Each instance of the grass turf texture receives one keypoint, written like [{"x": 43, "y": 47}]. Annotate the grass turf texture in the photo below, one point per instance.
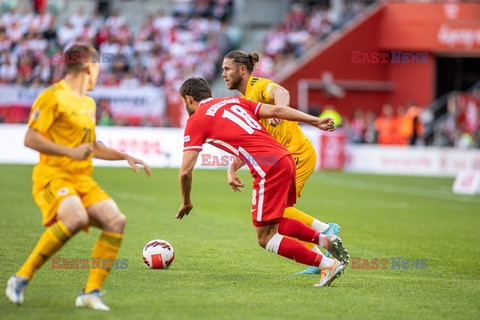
[{"x": 220, "y": 272}]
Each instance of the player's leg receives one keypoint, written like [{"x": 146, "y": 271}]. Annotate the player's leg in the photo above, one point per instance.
[
  {"x": 107, "y": 216},
  {"x": 63, "y": 211},
  {"x": 305, "y": 165},
  {"x": 296, "y": 229},
  {"x": 271, "y": 194},
  {"x": 271, "y": 240},
  {"x": 103, "y": 213}
]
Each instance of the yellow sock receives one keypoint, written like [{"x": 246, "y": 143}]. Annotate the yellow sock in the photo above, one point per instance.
[
  {"x": 50, "y": 242},
  {"x": 294, "y": 213},
  {"x": 106, "y": 247}
]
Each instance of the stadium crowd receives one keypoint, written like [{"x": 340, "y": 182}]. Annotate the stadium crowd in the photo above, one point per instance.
[
  {"x": 166, "y": 49},
  {"x": 305, "y": 24},
  {"x": 170, "y": 47},
  {"x": 407, "y": 124}
]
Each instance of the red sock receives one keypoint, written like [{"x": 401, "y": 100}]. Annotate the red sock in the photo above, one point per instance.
[
  {"x": 296, "y": 229},
  {"x": 295, "y": 250}
]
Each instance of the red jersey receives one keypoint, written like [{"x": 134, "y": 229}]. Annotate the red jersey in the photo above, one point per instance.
[{"x": 231, "y": 124}]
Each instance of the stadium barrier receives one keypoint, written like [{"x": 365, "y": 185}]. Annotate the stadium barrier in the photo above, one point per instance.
[
  {"x": 145, "y": 102},
  {"x": 163, "y": 148}
]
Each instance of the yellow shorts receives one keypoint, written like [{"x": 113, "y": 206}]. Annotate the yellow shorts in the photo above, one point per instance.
[
  {"x": 306, "y": 164},
  {"x": 48, "y": 196}
]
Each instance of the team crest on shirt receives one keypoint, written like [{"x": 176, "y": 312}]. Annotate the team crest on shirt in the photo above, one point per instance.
[
  {"x": 63, "y": 192},
  {"x": 35, "y": 114}
]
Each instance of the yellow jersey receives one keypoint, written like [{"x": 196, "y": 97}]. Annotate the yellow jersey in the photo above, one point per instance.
[
  {"x": 288, "y": 133},
  {"x": 66, "y": 119}
]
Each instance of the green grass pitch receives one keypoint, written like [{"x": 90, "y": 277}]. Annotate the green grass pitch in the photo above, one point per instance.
[{"x": 220, "y": 272}]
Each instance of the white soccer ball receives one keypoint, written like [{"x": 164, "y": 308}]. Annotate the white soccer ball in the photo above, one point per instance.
[{"x": 158, "y": 254}]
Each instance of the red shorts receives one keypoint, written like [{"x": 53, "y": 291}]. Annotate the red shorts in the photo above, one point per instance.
[{"x": 273, "y": 192}]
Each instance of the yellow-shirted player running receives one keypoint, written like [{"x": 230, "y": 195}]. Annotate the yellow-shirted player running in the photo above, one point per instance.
[
  {"x": 237, "y": 73},
  {"x": 62, "y": 129}
]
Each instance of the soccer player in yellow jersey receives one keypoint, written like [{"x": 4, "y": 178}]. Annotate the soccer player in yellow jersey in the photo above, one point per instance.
[
  {"x": 62, "y": 129},
  {"x": 237, "y": 73}
]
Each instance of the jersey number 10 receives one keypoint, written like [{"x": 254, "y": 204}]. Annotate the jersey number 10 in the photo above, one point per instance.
[{"x": 247, "y": 123}]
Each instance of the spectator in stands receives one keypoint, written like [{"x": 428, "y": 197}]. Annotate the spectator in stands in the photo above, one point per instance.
[
  {"x": 67, "y": 34},
  {"x": 404, "y": 126},
  {"x": 25, "y": 69},
  {"x": 8, "y": 69},
  {"x": 79, "y": 19},
  {"x": 128, "y": 81},
  {"x": 41, "y": 21},
  {"x": 115, "y": 21},
  {"x": 10, "y": 17},
  {"x": 413, "y": 116},
  {"x": 358, "y": 126},
  {"x": 385, "y": 126},
  {"x": 371, "y": 135},
  {"x": 51, "y": 33},
  {"x": 163, "y": 51}
]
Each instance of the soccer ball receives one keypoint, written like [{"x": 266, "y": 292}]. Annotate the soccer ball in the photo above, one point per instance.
[{"x": 158, "y": 254}]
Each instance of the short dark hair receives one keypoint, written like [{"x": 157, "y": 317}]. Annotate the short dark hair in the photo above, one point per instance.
[
  {"x": 77, "y": 57},
  {"x": 197, "y": 88},
  {"x": 242, "y": 58}
]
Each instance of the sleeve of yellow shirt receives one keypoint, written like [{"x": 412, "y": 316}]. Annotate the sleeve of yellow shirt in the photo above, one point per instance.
[
  {"x": 267, "y": 87},
  {"x": 44, "y": 112}
]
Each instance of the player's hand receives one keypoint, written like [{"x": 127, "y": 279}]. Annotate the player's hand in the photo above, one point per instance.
[
  {"x": 326, "y": 124},
  {"x": 81, "y": 152},
  {"x": 184, "y": 210},
  {"x": 133, "y": 162},
  {"x": 234, "y": 181},
  {"x": 274, "y": 121}
]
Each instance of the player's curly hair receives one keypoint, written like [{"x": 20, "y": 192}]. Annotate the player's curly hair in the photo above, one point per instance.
[
  {"x": 242, "y": 58},
  {"x": 197, "y": 88}
]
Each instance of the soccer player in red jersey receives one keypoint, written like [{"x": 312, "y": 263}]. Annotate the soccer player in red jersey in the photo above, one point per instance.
[{"x": 232, "y": 124}]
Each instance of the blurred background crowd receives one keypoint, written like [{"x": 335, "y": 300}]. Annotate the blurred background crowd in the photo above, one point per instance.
[{"x": 191, "y": 39}]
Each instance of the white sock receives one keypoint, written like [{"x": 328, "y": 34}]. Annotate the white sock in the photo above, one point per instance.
[
  {"x": 317, "y": 250},
  {"x": 320, "y": 226},
  {"x": 325, "y": 263},
  {"x": 323, "y": 241}
]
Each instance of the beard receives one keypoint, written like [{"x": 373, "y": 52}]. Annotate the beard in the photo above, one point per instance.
[
  {"x": 189, "y": 108},
  {"x": 234, "y": 82}
]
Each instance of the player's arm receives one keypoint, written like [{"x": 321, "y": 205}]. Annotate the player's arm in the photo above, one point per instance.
[
  {"x": 233, "y": 178},
  {"x": 281, "y": 96},
  {"x": 100, "y": 151},
  {"x": 271, "y": 111},
  {"x": 36, "y": 141},
  {"x": 185, "y": 180}
]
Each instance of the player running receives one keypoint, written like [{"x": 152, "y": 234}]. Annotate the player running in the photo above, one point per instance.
[
  {"x": 237, "y": 73},
  {"x": 62, "y": 130},
  {"x": 231, "y": 124}
]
